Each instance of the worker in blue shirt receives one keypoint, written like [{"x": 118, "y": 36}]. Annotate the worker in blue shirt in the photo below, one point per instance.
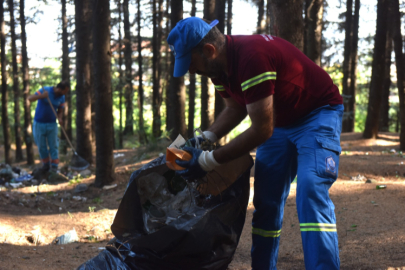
[{"x": 45, "y": 128}]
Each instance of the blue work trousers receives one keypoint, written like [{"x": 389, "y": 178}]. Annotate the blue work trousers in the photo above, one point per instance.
[
  {"x": 309, "y": 150},
  {"x": 46, "y": 138}
]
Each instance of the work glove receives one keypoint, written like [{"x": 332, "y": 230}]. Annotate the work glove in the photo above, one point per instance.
[
  {"x": 197, "y": 167},
  {"x": 208, "y": 134}
]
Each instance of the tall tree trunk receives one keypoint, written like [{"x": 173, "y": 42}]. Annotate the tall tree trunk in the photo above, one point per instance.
[
  {"x": 176, "y": 92},
  {"x": 261, "y": 21},
  {"x": 27, "y": 108},
  {"x": 347, "y": 98},
  {"x": 288, "y": 22},
  {"x": 103, "y": 93},
  {"x": 313, "y": 29},
  {"x": 142, "y": 134},
  {"x": 16, "y": 88},
  {"x": 67, "y": 115},
  {"x": 377, "y": 74},
  {"x": 207, "y": 96},
  {"x": 4, "y": 94},
  {"x": 129, "y": 91},
  {"x": 83, "y": 79},
  {"x": 400, "y": 65},
  {"x": 270, "y": 19},
  {"x": 385, "y": 91},
  {"x": 351, "y": 105},
  {"x": 191, "y": 89},
  {"x": 229, "y": 18},
  {"x": 120, "y": 77},
  {"x": 220, "y": 6}
]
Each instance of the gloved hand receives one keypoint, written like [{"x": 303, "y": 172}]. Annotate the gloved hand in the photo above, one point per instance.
[
  {"x": 208, "y": 134},
  {"x": 192, "y": 167},
  {"x": 198, "y": 166},
  {"x": 191, "y": 142}
]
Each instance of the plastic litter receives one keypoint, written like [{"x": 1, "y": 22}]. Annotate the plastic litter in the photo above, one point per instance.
[
  {"x": 107, "y": 187},
  {"x": 69, "y": 237}
]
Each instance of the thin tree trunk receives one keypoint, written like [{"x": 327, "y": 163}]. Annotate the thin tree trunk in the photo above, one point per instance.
[
  {"x": 120, "y": 82},
  {"x": 288, "y": 23},
  {"x": 27, "y": 108},
  {"x": 4, "y": 94},
  {"x": 176, "y": 92},
  {"x": 377, "y": 74},
  {"x": 103, "y": 93},
  {"x": 83, "y": 80},
  {"x": 270, "y": 19},
  {"x": 400, "y": 65},
  {"x": 155, "y": 67},
  {"x": 229, "y": 18},
  {"x": 129, "y": 91},
  {"x": 142, "y": 135},
  {"x": 313, "y": 29},
  {"x": 16, "y": 87},
  {"x": 220, "y": 6},
  {"x": 353, "y": 69},
  {"x": 67, "y": 115},
  {"x": 261, "y": 23},
  {"x": 191, "y": 89},
  {"x": 385, "y": 91}
]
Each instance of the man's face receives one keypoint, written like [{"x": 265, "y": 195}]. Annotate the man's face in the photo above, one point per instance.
[
  {"x": 204, "y": 66},
  {"x": 61, "y": 91}
]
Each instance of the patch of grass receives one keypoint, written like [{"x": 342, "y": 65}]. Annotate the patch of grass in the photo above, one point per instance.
[
  {"x": 91, "y": 209},
  {"x": 97, "y": 200},
  {"x": 76, "y": 180}
]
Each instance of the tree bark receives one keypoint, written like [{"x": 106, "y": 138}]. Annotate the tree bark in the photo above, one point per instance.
[
  {"x": 288, "y": 23},
  {"x": 16, "y": 87},
  {"x": 83, "y": 80},
  {"x": 176, "y": 92},
  {"x": 229, "y": 18},
  {"x": 220, "y": 7},
  {"x": 4, "y": 93},
  {"x": 261, "y": 22},
  {"x": 400, "y": 65},
  {"x": 191, "y": 89},
  {"x": 67, "y": 115},
  {"x": 120, "y": 76},
  {"x": 377, "y": 74},
  {"x": 313, "y": 29},
  {"x": 129, "y": 91},
  {"x": 26, "y": 90},
  {"x": 103, "y": 92},
  {"x": 142, "y": 135}
]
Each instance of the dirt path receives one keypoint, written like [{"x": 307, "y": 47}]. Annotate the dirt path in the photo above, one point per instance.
[{"x": 370, "y": 221}]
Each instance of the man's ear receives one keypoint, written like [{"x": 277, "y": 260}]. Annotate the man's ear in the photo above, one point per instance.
[{"x": 209, "y": 51}]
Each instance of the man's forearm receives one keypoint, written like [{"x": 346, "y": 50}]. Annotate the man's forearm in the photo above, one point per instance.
[
  {"x": 32, "y": 98},
  {"x": 227, "y": 120}
]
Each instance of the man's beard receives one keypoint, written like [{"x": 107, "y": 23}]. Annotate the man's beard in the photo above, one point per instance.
[{"x": 213, "y": 68}]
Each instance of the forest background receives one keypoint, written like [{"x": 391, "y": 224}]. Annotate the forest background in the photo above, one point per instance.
[{"x": 115, "y": 56}]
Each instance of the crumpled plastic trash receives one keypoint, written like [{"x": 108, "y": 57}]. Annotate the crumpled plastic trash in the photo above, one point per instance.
[
  {"x": 69, "y": 237},
  {"x": 359, "y": 177}
]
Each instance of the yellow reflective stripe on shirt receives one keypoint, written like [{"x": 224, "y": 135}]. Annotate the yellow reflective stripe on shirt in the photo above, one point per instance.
[
  {"x": 266, "y": 233},
  {"x": 270, "y": 75},
  {"x": 219, "y": 87},
  {"x": 317, "y": 227}
]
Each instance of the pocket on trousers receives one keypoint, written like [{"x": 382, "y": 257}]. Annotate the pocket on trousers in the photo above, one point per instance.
[{"x": 327, "y": 157}]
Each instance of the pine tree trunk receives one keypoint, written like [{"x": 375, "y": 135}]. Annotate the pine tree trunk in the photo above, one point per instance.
[
  {"x": 67, "y": 115},
  {"x": 83, "y": 79},
  {"x": 26, "y": 90},
  {"x": 377, "y": 74},
  {"x": 220, "y": 7},
  {"x": 229, "y": 18},
  {"x": 4, "y": 93},
  {"x": 120, "y": 77},
  {"x": 261, "y": 23},
  {"x": 103, "y": 93},
  {"x": 129, "y": 91},
  {"x": 313, "y": 30},
  {"x": 176, "y": 92},
  {"x": 16, "y": 87},
  {"x": 191, "y": 89},
  {"x": 353, "y": 69},
  {"x": 288, "y": 23},
  {"x": 400, "y": 65},
  {"x": 385, "y": 91},
  {"x": 142, "y": 135}
]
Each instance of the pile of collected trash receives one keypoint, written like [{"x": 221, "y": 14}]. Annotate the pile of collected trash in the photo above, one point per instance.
[{"x": 165, "y": 222}]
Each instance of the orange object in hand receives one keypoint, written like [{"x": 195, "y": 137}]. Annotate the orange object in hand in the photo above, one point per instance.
[{"x": 172, "y": 154}]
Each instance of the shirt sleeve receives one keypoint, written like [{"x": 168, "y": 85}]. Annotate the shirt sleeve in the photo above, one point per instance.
[
  {"x": 40, "y": 91},
  {"x": 258, "y": 77},
  {"x": 62, "y": 104},
  {"x": 220, "y": 88}
]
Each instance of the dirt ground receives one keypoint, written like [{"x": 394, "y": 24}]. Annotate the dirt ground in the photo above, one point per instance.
[{"x": 370, "y": 222}]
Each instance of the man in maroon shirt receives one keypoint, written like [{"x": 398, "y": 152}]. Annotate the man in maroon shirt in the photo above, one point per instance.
[{"x": 296, "y": 113}]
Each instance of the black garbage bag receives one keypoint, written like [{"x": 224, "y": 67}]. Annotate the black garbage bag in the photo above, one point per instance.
[{"x": 193, "y": 226}]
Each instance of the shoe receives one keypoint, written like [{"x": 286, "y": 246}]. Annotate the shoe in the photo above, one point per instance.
[
  {"x": 54, "y": 170},
  {"x": 45, "y": 167}
]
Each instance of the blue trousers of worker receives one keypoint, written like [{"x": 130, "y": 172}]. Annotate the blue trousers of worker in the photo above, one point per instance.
[
  {"x": 46, "y": 138},
  {"x": 309, "y": 150}
]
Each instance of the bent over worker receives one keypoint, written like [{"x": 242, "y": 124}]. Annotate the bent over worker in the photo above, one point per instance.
[
  {"x": 45, "y": 128},
  {"x": 296, "y": 114}
]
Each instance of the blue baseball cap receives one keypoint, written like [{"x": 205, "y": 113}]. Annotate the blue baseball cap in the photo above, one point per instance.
[{"x": 183, "y": 38}]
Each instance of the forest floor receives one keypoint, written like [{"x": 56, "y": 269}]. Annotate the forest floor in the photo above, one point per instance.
[{"x": 370, "y": 221}]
